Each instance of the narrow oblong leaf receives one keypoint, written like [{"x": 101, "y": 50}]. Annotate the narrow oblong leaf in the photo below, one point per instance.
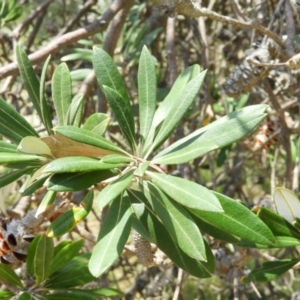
[
  {"x": 114, "y": 189},
  {"x": 87, "y": 137},
  {"x": 64, "y": 255},
  {"x": 46, "y": 203},
  {"x": 74, "y": 273},
  {"x": 8, "y": 275},
  {"x": 97, "y": 123},
  {"x": 78, "y": 164},
  {"x": 39, "y": 257},
  {"x": 61, "y": 92},
  {"x": 10, "y": 177},
  {"x": 164, "y": 108},
  {"x": 161, "y": 237},
  {"x": 214, "y": 136},
  {"x": 178, "y": 222},
  {"x": 29, "y": 78},
  {"x": 187, "y": 193},
  {"x": 74, "y": 114},
  {"x": 270, "y": 270},
  {"x": 69, "y": 219},
  {"x": 108, "y": 75},
  {"x": 9, "y": 157},
  {"x": 70, "y": 295},
  {"x": 12, "y": 125},
  {"x": 112, "y": 237},
  {"x": 46, "y": 116},
  {"x": 122, "y": 112},
  {"x": 178, "y": 109},
  {"x": 237, "y": 220},
  {"x": 116, "y": 159},
  {"x": 77, "y": 181},
  {"x": 147, "y": 92},
  {"x": 7, "y": 147}
]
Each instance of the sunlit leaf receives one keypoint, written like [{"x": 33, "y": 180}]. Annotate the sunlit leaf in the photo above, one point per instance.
[
  {"x": 97, "y": 123},
  {"x": 112, "y": 237},
  {"x": 34, "y": 145}
]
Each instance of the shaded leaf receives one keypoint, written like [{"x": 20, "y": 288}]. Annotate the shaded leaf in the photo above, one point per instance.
[
  {"x": 270, "y": 270},
  {"x": 46, "y": 203},
  {"x": 112, "y": 237},
  {"x": 9, "y": 276},
  {"x": 74, "y": 114},
  {"x": 69, "y": 219},
  {"x": 77, "y": 181},
  {"x": 187, "y": 193},
  {"x": 10, "y": 177},
  {"x": 62, "y": 92},
  {"x": 12, "y": 125}
]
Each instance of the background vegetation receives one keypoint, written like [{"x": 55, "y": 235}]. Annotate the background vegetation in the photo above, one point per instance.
[{"x": 248, "y": 170}]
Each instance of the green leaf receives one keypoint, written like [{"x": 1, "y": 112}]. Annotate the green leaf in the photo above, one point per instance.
[
  {"x": 141, "y": 169},
  {"x": 277, "y": 224},
  {"x": 64, "y": 255},
  {"x": 10, "y": 177},
  {"x": 161, "y": 237},
  {"x": 270, "y": 270},
  {"x": 112, "y": 237},
  {"x": 62, "y": 92},
  {"x": 97, "y": 123},
  {"x": 9, "y": 157},
  {"x": 187, "y": 193},
  {"x": 29, "y": 78},
  {"x": 177, "y": 221},
  {"x": 47, "y": 201},
  {"x": 70, "y": 295},
  {"x": 25, "y": 296},
  {"x": 74, "y": 164},
  {"x": 147, "y": 92},
  {"x": 12, "y": 125},
  {"x": 225, "y": 132},
  {"x": 73, "y": 274},
  {"x": 122, "y": 112},
  {"x": 164, "y": 109},
  {"x": 178, "y": 109},
  {"x": 9, "y": 276},
  {"x": 32, "y": 188},
  {"x": 46, "y": 116},
  {"x": 114, "y": 189},
  {"x": 4, "y": 295},
  {"x": 7, "y": 147},
  {"x": 87, "y": 137},
  {"x": 116, "y": 159},
  {"x": 280, "y": 242},
  {"x": 108, "y": 75},
  {"x": 76, "y": 181},
  {"x": 14, "y": 14},
  {"x": 69, "y": 219},
  {"x": 74, "y": 114},
  {"x": 237, "y": 220},
  {"x": 40, "y": 254}
]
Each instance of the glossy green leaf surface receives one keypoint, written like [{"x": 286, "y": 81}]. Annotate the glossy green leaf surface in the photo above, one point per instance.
[
  {"x": 8, "y": 275},
  {"x": 227, "y": 131},
  {"x": 179, "y": 107},
  {"x": 46, "y": 116},
  {"x": 187, "y": 193},
  {"x": 9, "y": 157},
  {"x": 87, "y": 137},
  {"x": 112, "y": 237},
  {"x": 177, "y": 221},
  {"x": 78, "y": 164},
  {"x": 77, "y": 181},
  {"x": 237, "y": 220},
  {"x": 122, "y": 113},
  {"x": 25, "y": 296},
  {"x": 161, "y": 237},
  {"x": 62, "y": 92},
  {"x": 29, "y": 78},
  {"x": 116, "y": 159},
  {"x": 39, "y": 257},
  {"x": 12, "y": 125},
  {"x": 97, "y": 123},
  {"x": 108, "y": 75},
  {"x": 279, "y": 242},
  {"x": 74, "y": 114},
  {"x": 69, "y": 219},
  {"x": 65, "y": 254},
  {"x": 73, "y": 274},
  {"x": 146, "y": 92},
  {"x": 114, "y": 189},
  {"x": 164, "y": 108},
  {"x": 270, "y": 270}
]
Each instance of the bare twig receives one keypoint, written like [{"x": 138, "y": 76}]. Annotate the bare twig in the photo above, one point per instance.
[{"x": 59, "y": 43}]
